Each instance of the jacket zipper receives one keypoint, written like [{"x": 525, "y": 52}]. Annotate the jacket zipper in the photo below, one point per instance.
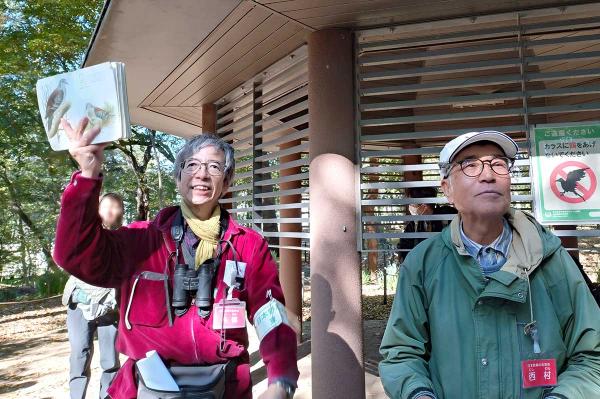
[{"x": 484, "y": 280}]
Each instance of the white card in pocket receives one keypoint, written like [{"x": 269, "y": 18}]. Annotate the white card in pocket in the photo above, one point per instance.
[{"x": 232, "y": 271}]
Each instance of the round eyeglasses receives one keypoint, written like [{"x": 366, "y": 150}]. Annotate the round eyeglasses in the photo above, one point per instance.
[
  {"x": 191, "y": 166},
  {"x": 474, "y": 167}
]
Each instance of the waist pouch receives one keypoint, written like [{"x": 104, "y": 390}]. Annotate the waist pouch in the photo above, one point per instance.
[{"x": 195, "y": 382}]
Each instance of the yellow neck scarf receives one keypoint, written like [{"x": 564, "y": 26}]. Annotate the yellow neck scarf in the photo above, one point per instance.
[{"x": 206, "y": 230}]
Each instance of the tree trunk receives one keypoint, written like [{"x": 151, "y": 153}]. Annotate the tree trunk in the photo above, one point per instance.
[
  {"x": 142, "y": 198},
  {"x": 26, "y": 271},
  {"x": 142, "y": 195},
  {"x": 24, "y": 217}
]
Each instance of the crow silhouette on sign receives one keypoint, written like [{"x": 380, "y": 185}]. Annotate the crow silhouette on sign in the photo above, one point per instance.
[{"x": 570, "y": 185}]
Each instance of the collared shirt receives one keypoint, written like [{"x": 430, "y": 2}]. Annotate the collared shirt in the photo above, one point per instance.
[
  {"x": 493, "y": 256},
  {"x": 190, "y": 245}
]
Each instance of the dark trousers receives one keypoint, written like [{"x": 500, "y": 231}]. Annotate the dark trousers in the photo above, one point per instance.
[{"x": 81, "y": 337}]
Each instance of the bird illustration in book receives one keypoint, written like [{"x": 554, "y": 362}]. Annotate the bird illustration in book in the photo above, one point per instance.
[
  {"x": 54, "y": 100},
  {"x": 98, "y": 116},
  {"x": 56, "y": 106}
]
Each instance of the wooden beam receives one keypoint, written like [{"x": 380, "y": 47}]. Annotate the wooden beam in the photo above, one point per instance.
[{"x": 209, "y": 118}]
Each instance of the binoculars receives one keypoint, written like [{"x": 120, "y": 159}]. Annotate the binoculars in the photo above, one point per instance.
[{"x": 188, "y": 282}]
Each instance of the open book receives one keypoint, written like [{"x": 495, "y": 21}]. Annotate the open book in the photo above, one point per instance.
[{"x": 97, "y": 92}]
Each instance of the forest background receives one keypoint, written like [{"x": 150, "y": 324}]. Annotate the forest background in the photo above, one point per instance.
[{"x": 39, "y": 38}]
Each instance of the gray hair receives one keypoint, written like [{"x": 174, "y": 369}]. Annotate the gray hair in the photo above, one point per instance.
[{"x": 202, "y": 141}]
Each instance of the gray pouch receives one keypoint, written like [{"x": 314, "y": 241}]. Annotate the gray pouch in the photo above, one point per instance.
[{"x": 195, "y": 382}]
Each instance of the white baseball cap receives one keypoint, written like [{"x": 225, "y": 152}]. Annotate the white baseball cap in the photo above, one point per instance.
[{"x": 455, "y": 145}]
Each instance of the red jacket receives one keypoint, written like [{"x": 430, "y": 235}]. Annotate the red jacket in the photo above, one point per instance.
[{"x": 115, "y": 258}]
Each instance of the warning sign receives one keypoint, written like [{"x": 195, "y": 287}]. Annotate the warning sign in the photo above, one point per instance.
[
  {"x": 573, "y": 182},
  {"x": 565, "y": 163}
]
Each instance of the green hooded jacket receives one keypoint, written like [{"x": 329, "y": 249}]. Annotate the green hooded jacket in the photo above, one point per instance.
[{"x": 455, "y": 334}]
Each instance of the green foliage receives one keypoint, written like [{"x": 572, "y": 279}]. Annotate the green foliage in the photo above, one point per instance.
[
  {"x": 50, "y": 283},
  {"x": 39, "y": 38}
]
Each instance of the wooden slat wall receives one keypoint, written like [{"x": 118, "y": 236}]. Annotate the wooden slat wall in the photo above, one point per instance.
[
  {"x": 320, "y": 14},
  {"x": 228, "y": 23},
  {"x": 191, "y": 115},
  {"x": 256, "y": 34},
  {"x": 416, "y": 94},
  {"x": 266, "y": 120},
  {"x": 250, "y": 39}
]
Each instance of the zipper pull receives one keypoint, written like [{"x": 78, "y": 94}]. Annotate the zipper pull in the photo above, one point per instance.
[{"x": 269, "y": 295}]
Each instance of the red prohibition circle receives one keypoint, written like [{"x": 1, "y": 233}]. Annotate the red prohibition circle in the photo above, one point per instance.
[{"x": 560, "y": 172}]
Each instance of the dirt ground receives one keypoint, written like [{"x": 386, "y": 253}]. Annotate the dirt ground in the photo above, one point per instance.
[
  {"x": 34, "y": 354},
  {"x": 34, "y": 349}
]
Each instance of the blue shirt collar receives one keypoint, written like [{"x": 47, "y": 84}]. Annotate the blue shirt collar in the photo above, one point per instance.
[{"x": 501, "y": 244}]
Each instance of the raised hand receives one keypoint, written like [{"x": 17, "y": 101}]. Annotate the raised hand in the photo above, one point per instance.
[{"x": 88, "y": 156}]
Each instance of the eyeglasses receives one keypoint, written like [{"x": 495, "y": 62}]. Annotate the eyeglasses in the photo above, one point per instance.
[
  {"x": 474, "y": 167},
  {"x": 192, "y": 165}
]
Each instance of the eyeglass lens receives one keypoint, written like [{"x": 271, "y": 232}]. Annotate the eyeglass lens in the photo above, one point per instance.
[
  {"x": 474, "y": 167},
  {"x": 191, "y": 166}
]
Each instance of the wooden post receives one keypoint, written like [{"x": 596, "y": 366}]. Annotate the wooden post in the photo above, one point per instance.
[
  {"x": 209, "y": 118},
  {"x": 290, "y": 260}
]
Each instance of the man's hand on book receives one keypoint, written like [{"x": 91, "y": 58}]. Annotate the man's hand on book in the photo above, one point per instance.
[{"x": 88, "y": 156}]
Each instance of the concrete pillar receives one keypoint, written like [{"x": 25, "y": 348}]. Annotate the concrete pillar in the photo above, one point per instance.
[
  {"x": 209, "y": 118},
  {"x": 336, "y": 328},
  {"x": 290, "y": 260}
]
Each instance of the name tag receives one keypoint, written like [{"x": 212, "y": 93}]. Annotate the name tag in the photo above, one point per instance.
[
  {"x": 538, "y": 373},
  {"x": 229, "y": 314}
]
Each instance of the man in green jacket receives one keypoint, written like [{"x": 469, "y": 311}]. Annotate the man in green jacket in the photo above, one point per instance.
[{"x": 493, "y": 307}]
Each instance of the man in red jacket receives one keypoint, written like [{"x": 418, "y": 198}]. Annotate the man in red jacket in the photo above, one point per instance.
[{"x": 140, "y": 259}]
